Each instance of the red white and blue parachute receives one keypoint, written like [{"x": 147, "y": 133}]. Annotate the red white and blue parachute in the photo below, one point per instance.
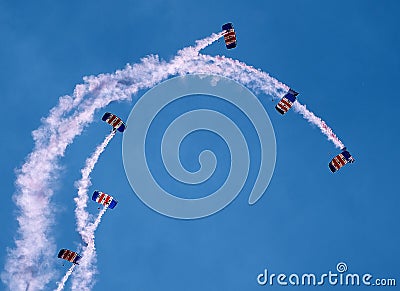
[
  {"x": 229, "y": 35},
  {"x": 114, "y": 121},
  {"x": 286, "y": 102},
  {"x": 340, "y": 160},
  {"x": 69, "y": 256},
  {"x": 105, "y": 199}
]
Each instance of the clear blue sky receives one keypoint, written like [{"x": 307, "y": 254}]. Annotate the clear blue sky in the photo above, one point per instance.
[{"x": 343, "y": 56}]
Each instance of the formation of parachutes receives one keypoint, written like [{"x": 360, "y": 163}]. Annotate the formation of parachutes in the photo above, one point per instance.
[{"x": 283, "y": 106}]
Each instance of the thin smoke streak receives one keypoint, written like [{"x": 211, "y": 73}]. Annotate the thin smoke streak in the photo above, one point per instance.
[
  {"x": 325, "y": 129},
  {"x": 83, "y": 277},
  {"x": 81, "y": 215},
  {"x": 87, "y": 269},
  {"x": 85, "y": 229},
  {"x": 68, "y": 119},
  {"x": 61, "y": 285}
]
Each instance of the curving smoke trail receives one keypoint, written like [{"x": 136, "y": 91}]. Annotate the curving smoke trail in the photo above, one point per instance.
[
  {"x": 68, "y": 119},
  {"x": 81, "y": 215},
  {"x": 85, "y": 229},
  {"x": 65, "y": 278}
]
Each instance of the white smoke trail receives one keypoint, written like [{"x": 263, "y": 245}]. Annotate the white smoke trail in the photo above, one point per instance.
[
  {"x": 33, "y": 194},
  {"x": 87, "y": 269},
  {"x": 325, "y": 129},
  {"x": 65, "y": 278},
  {"x": 68, "y": 119},
  {"x": 81, "y": 215},
  {"x": 83, "y": 277}
]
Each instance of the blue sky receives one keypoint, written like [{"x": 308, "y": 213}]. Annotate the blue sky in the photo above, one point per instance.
[{"x": 342, "y": 57}]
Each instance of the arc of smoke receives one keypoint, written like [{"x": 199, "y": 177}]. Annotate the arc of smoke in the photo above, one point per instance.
[
  {"x": 68, "y": 119},
  {"x": 82, "y": 216},
  {"x": 61, "y": 284},
  {"x": 87, "y": 268}
]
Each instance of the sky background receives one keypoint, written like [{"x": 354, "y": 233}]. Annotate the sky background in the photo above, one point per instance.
[{"x": 342, "y": 56}]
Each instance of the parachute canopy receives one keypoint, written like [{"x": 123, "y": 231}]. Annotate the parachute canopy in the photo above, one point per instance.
[
  {"x": 69, "y": 256},
  {"x": 105, "y": 199},
  {"x": 340, "y": 160},
  {"x": 114, "y": 121},
  {"x": 229, "y": 35},
  {"x": 286, "y": 102}
]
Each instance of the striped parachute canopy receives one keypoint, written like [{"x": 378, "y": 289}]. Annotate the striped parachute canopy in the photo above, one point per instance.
[
  {"x": 286, "y": 102},
  {"x": 229, "y": 35},
  {"x": 69, "y": 256},
  {"x": 114, "y": 121},
  {"x": 105, "y": 199},
  {"x": 340, "y": 160}
]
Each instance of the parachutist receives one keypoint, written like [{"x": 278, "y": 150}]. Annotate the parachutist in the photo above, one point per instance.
[
  {"x": 340, "y": 160},
  {"x": 229, "y": 35},
  {"x": 286, "y": 102},
  {"x": 69, "y": 256},
  {"x": 105, "y": 199},
  {"x": 114, "y": 121}
]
